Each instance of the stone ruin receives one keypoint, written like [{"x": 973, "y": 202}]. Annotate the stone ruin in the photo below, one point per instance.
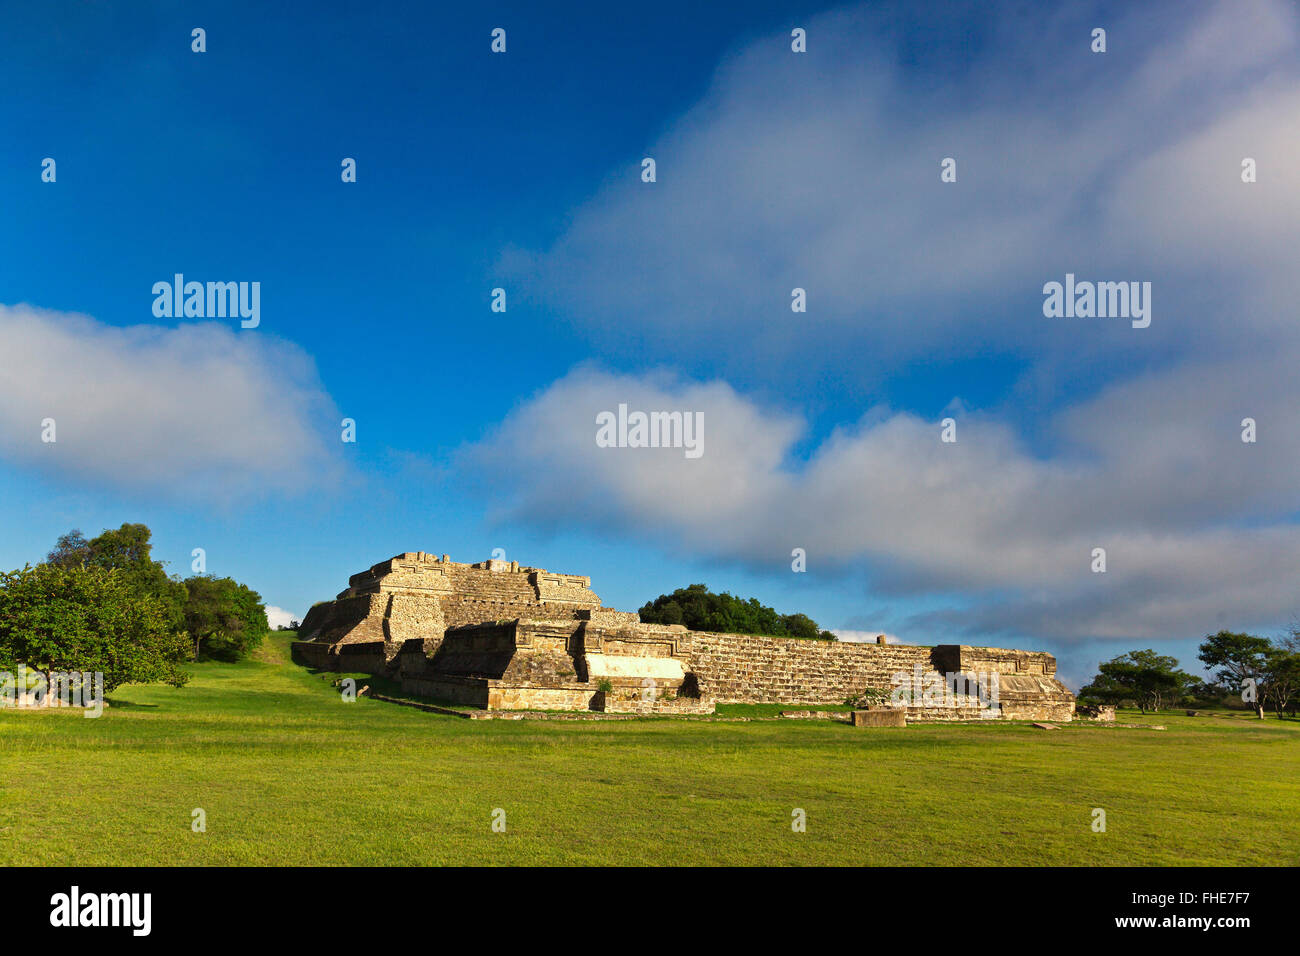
[{"x": 499, "y": 636}]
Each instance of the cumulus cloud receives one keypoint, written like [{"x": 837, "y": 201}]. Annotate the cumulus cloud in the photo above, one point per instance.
[
  {"x": 1195, "y": 523},
  {"x": 553, "y": 437},
  {"x": 279, "y": 617},
  {"x": 821, "y": 171},
  {"x": 193, "y": 411}
]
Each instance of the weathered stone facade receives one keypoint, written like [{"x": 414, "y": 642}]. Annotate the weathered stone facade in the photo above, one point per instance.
[{"x": 499, "y": 636}]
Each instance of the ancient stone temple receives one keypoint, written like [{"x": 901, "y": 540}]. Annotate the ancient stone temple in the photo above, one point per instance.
[{"x": 500, "y": 636}]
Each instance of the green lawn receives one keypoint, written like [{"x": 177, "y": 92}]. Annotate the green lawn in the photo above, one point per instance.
[{"x": 288, "y": 774}]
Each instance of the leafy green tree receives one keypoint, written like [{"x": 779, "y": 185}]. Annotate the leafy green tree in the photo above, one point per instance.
[
  {"x": 1282, "y": 679},
  {"x": 1148, "y": 679},
  {"x": 127, "y": 549},
  {"x": 225, "y": 619},
  {"x": 801, "y": 625},
  {"x": 80, "y": 617},
  {"x": 700, "y": 609},
  {"x": 71, "y": 549},
  {"x": 1205, "y": 693},
  {"x": 1241, "y": 661}
]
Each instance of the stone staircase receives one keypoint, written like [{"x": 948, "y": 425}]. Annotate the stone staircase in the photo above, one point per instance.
[{"x": 493, "y": 597}]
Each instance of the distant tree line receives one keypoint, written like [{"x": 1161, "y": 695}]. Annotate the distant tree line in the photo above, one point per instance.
[
  {"x": 1262, "y": 673},
  {"x": 103, "y": 604},
  {"x": 700, "y": 609}
]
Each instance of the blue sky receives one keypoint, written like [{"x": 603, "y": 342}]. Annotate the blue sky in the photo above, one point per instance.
[{"x": 775, "y": 170}]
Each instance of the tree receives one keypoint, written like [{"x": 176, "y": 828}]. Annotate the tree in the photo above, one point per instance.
[
  {"x": 1148, "y": 679},
  {"x": 1242, "y": 662},
  {"x": 700, "y": 609},
  {"x": 127, "y": 549},
  {"x": 87, "y": 619},
  {"x": 1289, "y": 647},
  {"x": 1281, "y": 678},
  {"x": 70, "y": 550},
  {"x": 1205, "y": 693},
  {"x": 1291, "y": 640},
  {"x": 225, "y": 619}
]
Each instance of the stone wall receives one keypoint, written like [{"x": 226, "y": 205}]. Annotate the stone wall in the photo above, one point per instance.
[
  {"x": 1027, "y": 684},
  {"x": 358, "y": 618},
  {"x": 554, "y": 665},
  {"x": 744, "y": 668},
  {"x": 747, "y": 669},
  {"x": 519, "y": 652}
]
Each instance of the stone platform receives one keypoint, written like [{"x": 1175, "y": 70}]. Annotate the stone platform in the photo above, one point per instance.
[{"x": 498, "y": 636}]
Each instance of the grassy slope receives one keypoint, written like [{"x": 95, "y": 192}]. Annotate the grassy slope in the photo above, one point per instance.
[{"x": 290, "y": 775}]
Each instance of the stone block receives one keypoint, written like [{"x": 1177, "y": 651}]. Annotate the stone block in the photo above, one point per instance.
[
  {"x": 880, "y": 717},
  {"x": 1099, "y": 712}
]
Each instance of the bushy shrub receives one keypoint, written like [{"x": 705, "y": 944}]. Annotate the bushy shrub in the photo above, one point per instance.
[{"x": 700, "y": 609}]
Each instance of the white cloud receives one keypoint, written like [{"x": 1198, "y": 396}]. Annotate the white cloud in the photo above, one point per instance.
[
  {"x": 197, "y": 410},
  {"x": 278, "y": 616},
  {"x": 821, "y": 171},
  {"x": 1196, "y": 524}
]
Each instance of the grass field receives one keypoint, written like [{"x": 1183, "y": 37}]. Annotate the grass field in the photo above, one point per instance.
[{"x": 288, "y": 774}]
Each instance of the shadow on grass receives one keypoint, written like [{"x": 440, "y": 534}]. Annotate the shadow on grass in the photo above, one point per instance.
[{"x": 386, "y": 686}]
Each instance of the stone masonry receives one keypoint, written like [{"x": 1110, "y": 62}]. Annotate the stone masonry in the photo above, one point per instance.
[{"x": 500, "y": 636}]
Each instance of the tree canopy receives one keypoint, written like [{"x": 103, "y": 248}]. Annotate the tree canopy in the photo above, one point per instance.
[
  {"x": 1240, "y": 662},
  {"x": 84, "y": 618},
  {"x": 225, "y": 619},
  {"x": 105, "y": 605},
  {"x": 1148, "y": 679},
  {"x": 700, "y": 609},
  {"x": 1257, "y": 669},
  {"x": 128, "y": 550}
]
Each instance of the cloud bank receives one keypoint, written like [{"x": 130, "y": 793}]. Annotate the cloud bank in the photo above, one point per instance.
[
  {"x": 197, "y": 411},
  {"x": 1195, "y": 523},
  {"x": 822, "y": 171}
]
